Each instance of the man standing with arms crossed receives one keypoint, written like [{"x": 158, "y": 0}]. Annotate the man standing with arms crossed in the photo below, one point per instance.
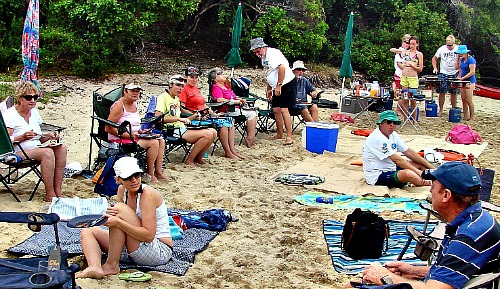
[
  {"x": 279, "y": 90},
  {"x": 447, "y": 59}
]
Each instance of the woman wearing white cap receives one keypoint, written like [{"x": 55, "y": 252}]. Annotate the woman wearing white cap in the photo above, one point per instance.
[
  {"x": 125, "y": 109},
  {"x": 138, "y": 226},
  {"x": 466, "y": 65}
]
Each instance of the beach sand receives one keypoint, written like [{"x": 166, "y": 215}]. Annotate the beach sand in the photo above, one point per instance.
[{"x": 277, "y": 243}]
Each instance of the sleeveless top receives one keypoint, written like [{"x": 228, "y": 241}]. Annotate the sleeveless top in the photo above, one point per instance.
[
  {"x": 162, "y": 226},
  {"x": 133, "y": 117}
]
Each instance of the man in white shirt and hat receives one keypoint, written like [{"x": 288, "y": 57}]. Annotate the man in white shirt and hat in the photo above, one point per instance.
[
  {"x": 447, "y": 59},
  {"x": 280, "y": 89},
  {"x": 303, "y": 88}
]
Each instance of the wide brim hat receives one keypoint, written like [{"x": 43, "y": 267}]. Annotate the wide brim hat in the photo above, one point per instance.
[
  {"x": 126, "y": 166},
  {"x": 462, "y": 49},
  {"x": 458, "y": 177},
  {"x": 389, "y": 115},
  {"x": 257, "y": 43},
  {"x": 298, "y": 65}
]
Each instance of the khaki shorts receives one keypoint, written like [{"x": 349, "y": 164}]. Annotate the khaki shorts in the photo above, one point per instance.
[{"x": 409, "y": 81}]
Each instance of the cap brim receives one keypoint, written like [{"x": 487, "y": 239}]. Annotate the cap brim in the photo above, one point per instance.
[
  {"x": 427, "y": 175},
  {"x": 133, "y": 86}
]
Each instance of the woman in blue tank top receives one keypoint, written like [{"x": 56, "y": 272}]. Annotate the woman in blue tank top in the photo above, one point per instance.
[{"x": 466, "y": 64}]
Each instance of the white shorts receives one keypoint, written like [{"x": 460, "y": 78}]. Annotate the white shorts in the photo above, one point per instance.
[
  {"x": 152, "y": 254},
  {"x": 249, "y": 114}
]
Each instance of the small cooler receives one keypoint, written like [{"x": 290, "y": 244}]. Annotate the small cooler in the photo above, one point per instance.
[{"x": 321, "y": 136}]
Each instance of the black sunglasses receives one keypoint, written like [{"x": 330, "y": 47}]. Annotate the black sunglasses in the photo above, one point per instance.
[
  {"x": 29, "y": 97},
  {"x": 392, "y": 122},
  {"x": 450, "y": 45},
  {"x": 407, "y": 42},
  {"x": 135, "y": 176}
]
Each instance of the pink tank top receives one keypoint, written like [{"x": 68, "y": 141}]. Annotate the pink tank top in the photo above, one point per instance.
[{"x": 133, "y": 117}]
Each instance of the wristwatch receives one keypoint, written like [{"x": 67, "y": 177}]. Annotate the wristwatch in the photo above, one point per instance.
[
  {"x": 280, "y": 83},
  {"x": 386, "y": 280}
]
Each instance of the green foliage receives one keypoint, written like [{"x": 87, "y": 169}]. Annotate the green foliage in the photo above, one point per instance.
[
  {"x": 6, "y": 90},
  {"x": 296, "y": 39}
]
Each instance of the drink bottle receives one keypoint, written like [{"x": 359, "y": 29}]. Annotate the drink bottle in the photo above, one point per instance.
[{"x": 324, "y": 200}]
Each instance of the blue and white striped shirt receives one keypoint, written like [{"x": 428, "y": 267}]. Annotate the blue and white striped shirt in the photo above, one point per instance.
[{"x": 471, "y": 246}]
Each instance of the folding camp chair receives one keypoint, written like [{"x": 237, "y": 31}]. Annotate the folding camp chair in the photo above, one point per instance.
[
  {"x": 27, "y": 272},
  {"x": 101, "y": 105},
  {"x": 14, "y": 167}
]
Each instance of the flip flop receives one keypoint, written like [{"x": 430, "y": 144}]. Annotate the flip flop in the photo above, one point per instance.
[
  {"x": 288, "y": 142},
  {"x": 135, "y": 277},
  {"x": 87, "y": 221}
]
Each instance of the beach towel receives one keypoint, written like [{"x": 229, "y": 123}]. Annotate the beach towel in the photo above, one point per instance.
[
  {"x": 194, "y": 241},
  {"x": 342, "y": 263},
  {"x": 351, "y": 202}
]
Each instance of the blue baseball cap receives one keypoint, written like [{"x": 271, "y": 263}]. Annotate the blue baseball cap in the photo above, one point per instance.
[{"x": 458, "y": 177}]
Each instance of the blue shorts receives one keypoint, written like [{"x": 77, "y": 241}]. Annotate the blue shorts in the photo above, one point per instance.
[
  {"x": 390, "y": 180},
  {"x": 445, "y": 85}
]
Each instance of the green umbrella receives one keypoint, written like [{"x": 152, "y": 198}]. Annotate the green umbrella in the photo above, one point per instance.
[
  {"x": 233, "y": 58},
  {"x": 346, "y": 68}
]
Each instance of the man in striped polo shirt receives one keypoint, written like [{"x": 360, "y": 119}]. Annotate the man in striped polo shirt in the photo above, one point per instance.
[{"x": 471, "y": 245}]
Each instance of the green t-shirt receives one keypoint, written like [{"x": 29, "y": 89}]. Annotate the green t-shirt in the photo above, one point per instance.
[{"x": 171, "y": 105}]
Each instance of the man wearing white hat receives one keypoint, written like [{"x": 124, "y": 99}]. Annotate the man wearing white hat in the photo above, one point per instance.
[
  {"x": 303, "y": 88},
  {"x": 279, "y": 90}
]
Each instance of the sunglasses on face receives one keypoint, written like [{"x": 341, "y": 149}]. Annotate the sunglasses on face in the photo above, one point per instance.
[
  {"x": 220, "y": 73},
  {"x": 192, "y": 70},
  {"x": 135, "y": 176},
  {"x": 29, "y": 97},
  {"x": 391, "y": 122},
  {"x": 449, "y": 45},
  {"x": 407, "y": 42},
  {"x": 178, "y": 84}
]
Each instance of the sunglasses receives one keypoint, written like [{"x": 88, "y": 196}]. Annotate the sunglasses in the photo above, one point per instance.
[
  {"x": 450, "y": 45},
  {"x": 220, "y": 73},
  {"x": 392, "y": 122},
  {"x": 191, "y": 70},
  {"x": 29, "y": 97},
  {"x": 407, "y": 42},
  {"x": 135, "y": 176}
]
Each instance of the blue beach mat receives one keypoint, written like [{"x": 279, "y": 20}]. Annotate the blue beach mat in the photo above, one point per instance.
[
  {"x": 342, "y": 263},
  {"x": 350, "y": 202},
  {"x": 194, "y": 241}
]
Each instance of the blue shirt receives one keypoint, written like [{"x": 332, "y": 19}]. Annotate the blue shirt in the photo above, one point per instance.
[
  {"x": 464, "y": 68},
  {"x": 471, "y": 246},
  {"x": 304, "y": 87}
]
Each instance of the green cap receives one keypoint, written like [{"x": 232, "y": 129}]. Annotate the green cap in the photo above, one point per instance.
[{"x": 389, "y": 115}]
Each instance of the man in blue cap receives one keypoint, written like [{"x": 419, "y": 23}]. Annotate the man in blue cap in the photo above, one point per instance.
[
  {"x": 471, "y": 245},
  {"x": 382, "y": 164}
]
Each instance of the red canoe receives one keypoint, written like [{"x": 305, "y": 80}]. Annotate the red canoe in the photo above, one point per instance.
[{"x": 487, "y": 91}]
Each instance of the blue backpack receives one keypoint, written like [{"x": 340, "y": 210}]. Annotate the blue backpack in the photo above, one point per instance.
[{"x": 106, "y": 185}]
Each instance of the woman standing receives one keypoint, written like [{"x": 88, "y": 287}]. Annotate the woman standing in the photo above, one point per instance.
[
  {"x": 23, "y": 125},
  {"x": 221, "y": 92},
  {"x": 138, "y": 226},
  {"x": 466, "y": 65},
  {"x": 412, "y": 65},
  {"x": 125, "y": 109},
  {"x": 192, "y": 101}
]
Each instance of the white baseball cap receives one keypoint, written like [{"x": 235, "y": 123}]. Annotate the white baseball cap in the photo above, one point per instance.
[
  {"x": 133, "y": 86},
  {"x": 127, "y": 166}
]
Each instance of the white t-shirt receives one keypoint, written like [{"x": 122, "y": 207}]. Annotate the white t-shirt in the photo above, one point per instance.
[
  {"x": 376, "y": 152},
  {"x": 398, "y": 59},
  {"x": 19, "y": 126},
  {"x": 273, "y": 59},
  {"x": 447, "y": 59}
]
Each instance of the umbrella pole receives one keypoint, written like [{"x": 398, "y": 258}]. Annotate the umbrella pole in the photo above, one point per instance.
[{"x": 342, "y": 94}]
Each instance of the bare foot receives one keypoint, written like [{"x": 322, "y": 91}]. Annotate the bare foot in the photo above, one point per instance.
[
  {"x": 91, "y": 272},
  {"x": 200, "y": 161},
  {"x": 190, "y": 163},
  {"x": 161, "y": 176},
  {"x": 232, "y": 156},
  {"x": 108, "y": 270},
  {"x": 288, "y": 141},
  {"x": 154, "y": 180},
  {"x": 250, "y": 143},
  {"x": 440, "y": 113},
  {"x": 275, "y": 137},
  {"x": 238, "y": 155}
]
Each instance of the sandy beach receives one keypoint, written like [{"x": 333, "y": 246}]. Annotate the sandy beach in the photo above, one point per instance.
[{"x": 277, "y": 243}]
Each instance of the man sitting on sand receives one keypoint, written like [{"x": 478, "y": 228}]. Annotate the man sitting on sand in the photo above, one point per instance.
[
  {"x": 382, "y": 164},
  {"x": 470, "y": 246}
]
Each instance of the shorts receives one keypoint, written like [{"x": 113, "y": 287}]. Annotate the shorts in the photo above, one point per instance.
[
  {"x": 389, "y": 179},
  {"x": 152, "y": 254},
  {"x": 445, "y": 86},
  {"x": 409, "y": 81},
  {"x": 287, "y": 97},
  {"x": 249, "y": 114},
  {"x": 299, "y": 107}
]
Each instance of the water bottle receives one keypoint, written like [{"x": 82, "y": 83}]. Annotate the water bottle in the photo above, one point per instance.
[{"x": 324, "y": 200}]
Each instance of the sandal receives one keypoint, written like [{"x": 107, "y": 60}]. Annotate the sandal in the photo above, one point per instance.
[{"x": 135, "y": 277}]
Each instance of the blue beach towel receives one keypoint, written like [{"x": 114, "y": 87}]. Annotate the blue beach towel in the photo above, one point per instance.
[
  {"x": 342, "y": 263},
  {"x": 350, "y": 202}
]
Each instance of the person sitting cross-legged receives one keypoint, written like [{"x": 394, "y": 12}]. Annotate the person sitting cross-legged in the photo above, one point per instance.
[
  {"x": 471, "y": 243},
  {"x": 383, "y": 165}
]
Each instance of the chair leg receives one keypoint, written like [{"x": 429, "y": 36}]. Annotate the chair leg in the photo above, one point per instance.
[{"x": 10, "y": 190}]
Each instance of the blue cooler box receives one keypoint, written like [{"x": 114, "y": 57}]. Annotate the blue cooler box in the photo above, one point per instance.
[{"x": 321, "y": 136}]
